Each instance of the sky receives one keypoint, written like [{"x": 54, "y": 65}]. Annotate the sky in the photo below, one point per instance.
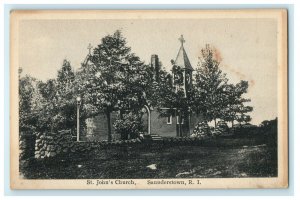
[{"x": 247, "y": 48}]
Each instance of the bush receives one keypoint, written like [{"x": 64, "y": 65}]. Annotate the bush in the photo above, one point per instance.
[
  {"x": 130, "y": 126},
  {"x": 201, "y": 130},
  {"x": 221, "y": 128}
]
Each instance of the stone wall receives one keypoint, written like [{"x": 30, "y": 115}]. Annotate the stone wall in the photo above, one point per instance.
[
  {"x": 63, "y": 144},
  {"x": 26, "y": 145},
  {"x": 52, "y": 144}
]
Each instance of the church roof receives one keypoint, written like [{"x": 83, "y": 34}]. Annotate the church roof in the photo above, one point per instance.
[{"x": 182, "y": 59}]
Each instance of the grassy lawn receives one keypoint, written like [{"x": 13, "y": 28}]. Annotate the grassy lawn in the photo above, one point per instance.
[{"x": 215, "y": 158}]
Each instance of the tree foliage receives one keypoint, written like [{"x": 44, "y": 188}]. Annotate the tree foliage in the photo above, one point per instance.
[
  {"x": 236, "y": 109},
  {"x": 66, "y": 97},
  {"x": 27, "y": 104},
  {"x": 130, "y": 125},
  {"x": 114, "y": 79},
  {"x": 54, "y": 101},
  {"x": 214, "y": 97},
  {"x": 209, "y": 86}
]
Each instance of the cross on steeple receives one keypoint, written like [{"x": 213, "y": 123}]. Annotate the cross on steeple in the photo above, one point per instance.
[
  {"x": 181, "y": 39},
  {"x": 89, "y": 48}
]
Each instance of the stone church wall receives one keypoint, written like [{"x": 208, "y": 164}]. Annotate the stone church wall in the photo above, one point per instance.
[
  {"x": 97, "y": 128},
  {"x": 160, "y": 126}
]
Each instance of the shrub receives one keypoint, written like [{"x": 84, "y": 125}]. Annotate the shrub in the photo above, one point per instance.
[
  {"x": 129, "y": 126},
  {"x": 221, "y": 128},
  {"x": 201, "y": 130}
]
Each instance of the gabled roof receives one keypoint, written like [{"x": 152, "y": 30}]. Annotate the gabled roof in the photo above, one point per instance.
[{"x": 182, "y": 59}]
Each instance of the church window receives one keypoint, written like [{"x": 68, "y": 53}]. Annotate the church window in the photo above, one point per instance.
[
  {"x": 169, "y": 119},
  {"x": 182, "y": 120}
]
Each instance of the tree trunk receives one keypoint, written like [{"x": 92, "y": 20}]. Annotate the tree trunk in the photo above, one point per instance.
[
  {"x": 108, "y": 126},
  {"x": 215, "y": 122},
  {"x": 232, "y": 123},
  {"x": 121, "y": 114},
  {"x": 189, "y": 124}
]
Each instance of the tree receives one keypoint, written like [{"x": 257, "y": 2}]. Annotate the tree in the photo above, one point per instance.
[
  {"x": 235, "y": 109},
  {"x": 48, "y": 107},
  {"x": 114, "y": 79},
  {"x": 269, "y": 130},
  {"x": 27, "y": 90},
  {"x": 214, "y": 97},
  {"x": 66, "y": 97},
  {"x": 242, "y": 116},
  {"x": 209, "y": 87},
  {"x": 129, "y": 125},
  {"x": 136, "y": 81},
  {"x": 58, "y": 105}
]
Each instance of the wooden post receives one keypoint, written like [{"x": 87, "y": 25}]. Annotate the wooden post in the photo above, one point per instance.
[
  {"x": 78, "y": 124},
  {"x": 78, "y": 99}
]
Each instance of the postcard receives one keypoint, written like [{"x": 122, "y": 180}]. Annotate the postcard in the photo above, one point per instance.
[{"x": 148, "y": 99}]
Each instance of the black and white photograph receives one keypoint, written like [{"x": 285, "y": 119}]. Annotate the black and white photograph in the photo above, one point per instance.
[{"x": 149, "y": 99}]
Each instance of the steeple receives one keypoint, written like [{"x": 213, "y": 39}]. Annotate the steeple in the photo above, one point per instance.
[
  {"x": 182, "y": 70},
  {"x": 182, "y": 59}
]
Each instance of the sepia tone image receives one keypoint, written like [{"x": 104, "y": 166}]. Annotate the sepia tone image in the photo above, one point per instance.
[{"x": 148, "y": 99}]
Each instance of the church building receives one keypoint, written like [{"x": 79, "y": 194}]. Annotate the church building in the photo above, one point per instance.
[{"x": 154, "y": 123}]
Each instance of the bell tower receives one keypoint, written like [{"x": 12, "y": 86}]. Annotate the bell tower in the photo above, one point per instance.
[{"x": 182, "y": 70}]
